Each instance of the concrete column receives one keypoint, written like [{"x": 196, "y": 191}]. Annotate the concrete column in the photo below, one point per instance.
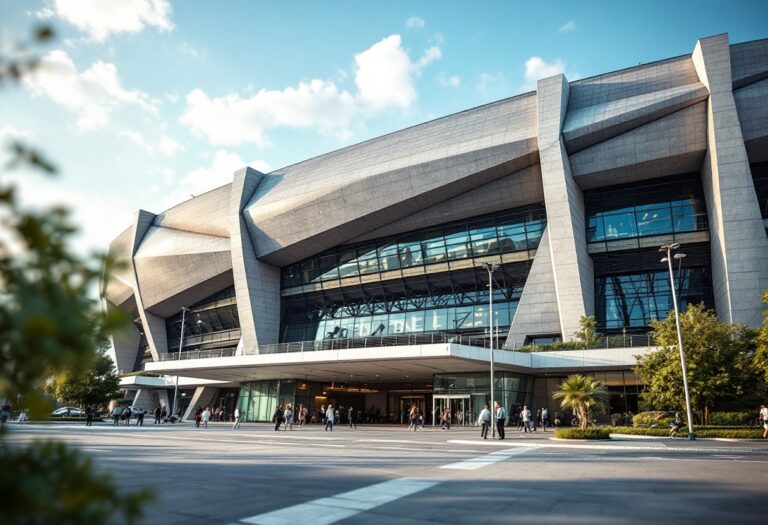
[
  {"x": 202, "y": 397},
  {"x": 537, "y": 312},
  {"x": 257, "y": 284},
  {"x": 571, "y": 264},
  {"x": 738, "y": 243},
  {"x": 154, "y": 326},
  {"x": 145, "y": 399}
]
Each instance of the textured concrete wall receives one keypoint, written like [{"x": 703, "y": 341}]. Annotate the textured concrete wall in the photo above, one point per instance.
[
  {"x": 202, "y": 397},
  {"x": 537, "y": 312},
  {"x": 571, "y": 264},
  {"x": 738, "y": 243},
  {"x": 257, "y": 284}
]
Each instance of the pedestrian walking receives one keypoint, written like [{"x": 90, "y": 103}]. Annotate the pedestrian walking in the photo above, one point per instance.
[
  {"x": 544, "y": 418},
  {"x": 485, "y": 420},
  {"x": 237, "y": 419},
  {"x": 164, "y": 415},
  {"x": 330, "y": 417},
  {"x": 501, "y": 419},
  {"x": 446, "y": 422},
  {"x": 158, "y": 413},
  {"x": 321, "y": 415},
  {"x": 413, "y": 418},
  {"x": 5, "y": 413},
  {"x": 277, "y": 417},
  {"x": 127, "y": 413},
  {"x": 198, "y": 416},
  {"x": 674, "y": 427},
  {"x": 206, "y": 417},
  {"x": 764, "y": 420},
  {"x": 23, "y": 418},
  {"x": 288, "y": 416},
  {"x": 352, "y": 416},
  {"x": 117, "y": 413},
  {"x": 88, "y": 416},
  {"x": 525, "y": 414},
  {"x": 140, "y": 412},
  {"x": 302, "y": 416}
]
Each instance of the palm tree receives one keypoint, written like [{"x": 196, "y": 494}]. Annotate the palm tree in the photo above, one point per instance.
[{"x": 581, "y": 394}]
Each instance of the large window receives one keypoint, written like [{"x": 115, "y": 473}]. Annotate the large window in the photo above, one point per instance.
[
  {"x": 210, "y": 323},
  {"x": 632, "y": 288},
  {"x": 455, "y": 302},
  {"x": 760, "y": 177},
  {"x": 514, "y": 230},
  {"x": 656, "y": 207}
]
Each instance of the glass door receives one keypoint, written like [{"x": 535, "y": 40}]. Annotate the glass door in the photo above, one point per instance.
[{"x": 459, "y": 407}]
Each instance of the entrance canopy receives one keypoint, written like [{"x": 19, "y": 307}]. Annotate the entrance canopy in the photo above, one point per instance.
[{"x": 392, "y": 363}]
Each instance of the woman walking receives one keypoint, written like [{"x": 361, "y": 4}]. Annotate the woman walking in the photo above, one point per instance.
[
  {"x": 277, "y": 417},
  {"x": 485, "y": 420},
  {"x": 206, "y": 417},
  {"x": 288, "y": 415},
  {"x": 446, "y": 424},
  {"x": 237, "y": 419}
]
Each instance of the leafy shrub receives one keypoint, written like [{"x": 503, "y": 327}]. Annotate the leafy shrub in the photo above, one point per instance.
[
  {"x": 731, "y": 418},
  {"x": 577, "y": 433},
  {"x": 656, "y": 419},
  {"x": 702, "y": 432}
]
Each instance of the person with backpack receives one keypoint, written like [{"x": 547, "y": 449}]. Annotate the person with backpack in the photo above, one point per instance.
[
  {"x": 127, "y": 413},
  {"x": 198, "y": 416},
  {"x": 277, "y": 417},
  {"x": 485, "y": 420},
  {"x": 446, "y": 423}
]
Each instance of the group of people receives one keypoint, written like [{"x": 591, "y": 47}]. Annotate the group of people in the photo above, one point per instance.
[
  {"x": 500, "y": 419},
  {"x": 6, "y": 413},
  {"x": 527, "y": 422},
  {"x": 284, "y": 416},
  {"x": 122, "y": 414}
]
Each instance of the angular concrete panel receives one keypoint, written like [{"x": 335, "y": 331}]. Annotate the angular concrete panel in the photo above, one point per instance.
[
  {"x": 257, "y": 284},
  {"x": 201, "y": 214},
  {"x": 739, "y": 246},
  {"x": 537, "y": 312},
  {"x": 571, "y": 264},
  {"x": 672, "y": 145}
]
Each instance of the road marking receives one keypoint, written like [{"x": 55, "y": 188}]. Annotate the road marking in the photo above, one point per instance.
[
  {"x": 608, "y": 446},
  {"x": 325, "y": 511},
  {"x": 488, "y": 459}
]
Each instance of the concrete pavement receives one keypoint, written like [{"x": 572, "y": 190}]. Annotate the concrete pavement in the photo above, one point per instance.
[{"x": 388, "y": 475}]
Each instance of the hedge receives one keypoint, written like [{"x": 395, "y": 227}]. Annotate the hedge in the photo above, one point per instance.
[
  {"x": 656, "y": 419},
  {"x": 704, "y": 432},
  {"x": 577, "y": 433},
  {"x": 731, "y": 418}
]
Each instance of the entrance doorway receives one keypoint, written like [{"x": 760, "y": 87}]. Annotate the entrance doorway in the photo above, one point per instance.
[
  {"x": 406, "y": 402},
  {"x": 459, "y": 406}
]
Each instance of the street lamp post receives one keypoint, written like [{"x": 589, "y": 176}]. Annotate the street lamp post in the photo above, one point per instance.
[
  {"x": 181, "y": 343},
  {"x": 490, "y": 267},
  {"x": 668, "y": 249}
]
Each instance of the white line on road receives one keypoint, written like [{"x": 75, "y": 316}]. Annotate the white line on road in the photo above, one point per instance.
[
  {"x": 325, "y": 511},
  {"x": 488, "y": 459}
]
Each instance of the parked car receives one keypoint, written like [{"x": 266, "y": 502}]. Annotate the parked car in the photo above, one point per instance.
[{"x": 68, "y": 412}]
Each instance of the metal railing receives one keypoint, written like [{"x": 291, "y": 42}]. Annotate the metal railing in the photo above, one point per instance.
[
  {"x": 614, "y": 341},
  {"x": 198, "y": 354}
]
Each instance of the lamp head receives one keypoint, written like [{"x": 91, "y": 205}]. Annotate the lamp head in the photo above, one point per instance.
[{"x": 679, "y": 256}]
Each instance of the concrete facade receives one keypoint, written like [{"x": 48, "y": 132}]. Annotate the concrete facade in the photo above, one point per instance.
[{"x": 703, "y": 113}]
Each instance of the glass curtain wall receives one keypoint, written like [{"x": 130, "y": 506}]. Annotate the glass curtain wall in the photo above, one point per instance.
[
  {"x": 760, "y": 178},
  {"x": 657, "y": 207},
  {"x": 514, "y": 230},
  {"x": 632, "y": 287},
  {"x": 258, "y": 400},
  {"x": 454, "y": 302},
  {"x": 213, "y": 320},
  {"x": 511, "y": 388}
]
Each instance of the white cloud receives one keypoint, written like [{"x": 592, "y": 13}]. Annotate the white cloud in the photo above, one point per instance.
[
  {"x": 165, "y": 145},
  {"x": 453, "y": 81},
  {"x": 568, "y": 27},
  {"x": 220, "y": 172},
  {"x": 537, "y": 68},
  {"x": 384, "y": 76},
  {"x": 91, "y": 95},
  {"x": 101, "y": 18},
  {"x": 414, "y": 22}
]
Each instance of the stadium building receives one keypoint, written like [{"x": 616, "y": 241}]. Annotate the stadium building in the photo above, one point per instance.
[{"x": 359, "y": 277}]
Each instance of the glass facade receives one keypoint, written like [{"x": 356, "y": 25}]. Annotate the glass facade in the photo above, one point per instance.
[
  {"x": 510, "y": 388},
  {"x": 655, "y": 207},
  {"x": 426, "y": 281},
  {"x": 760, "y": 178},
  {"x": 210, "y": 323},
  {"x": 632, "y": 288},
  {"x": 515, "y": 230},
  {"x": 258, "y": 400},
  {"x": 455, "y": 302}
]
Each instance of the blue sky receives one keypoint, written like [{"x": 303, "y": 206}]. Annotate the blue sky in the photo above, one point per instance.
[{"x": 145, "y": 102}]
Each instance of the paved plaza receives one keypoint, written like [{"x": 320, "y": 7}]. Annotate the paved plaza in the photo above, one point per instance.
[{"x": 376, "y": 475}]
